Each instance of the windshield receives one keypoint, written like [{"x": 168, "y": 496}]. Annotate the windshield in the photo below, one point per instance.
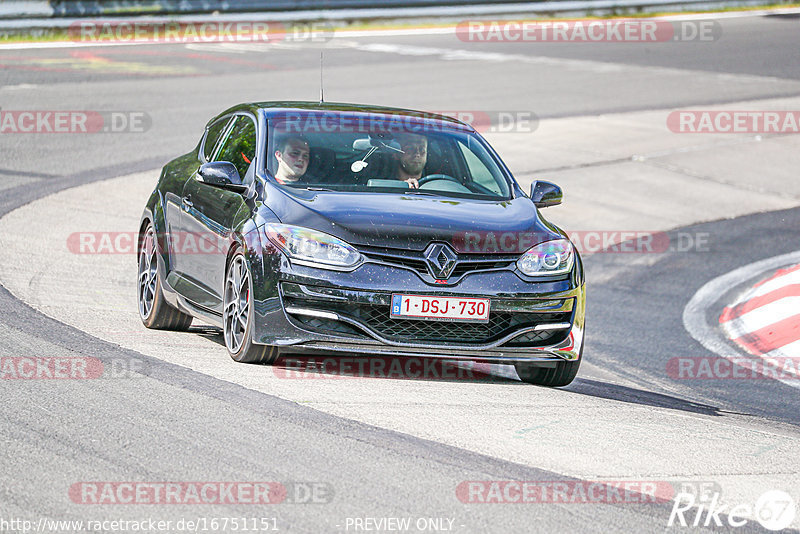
[{"x": 381, "y": 154}]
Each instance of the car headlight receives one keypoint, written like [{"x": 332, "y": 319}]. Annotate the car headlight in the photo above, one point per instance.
[
  {"x": 548, "y": 258},
  {"x": 309, "y": 245}
]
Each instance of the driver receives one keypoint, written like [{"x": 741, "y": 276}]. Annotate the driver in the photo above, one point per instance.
[
  {"x": 413, "y": 159},
  {"x": 293, "y": 155}
]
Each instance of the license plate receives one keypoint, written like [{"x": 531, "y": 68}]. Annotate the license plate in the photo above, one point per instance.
[{"x": 441, "y": 308}]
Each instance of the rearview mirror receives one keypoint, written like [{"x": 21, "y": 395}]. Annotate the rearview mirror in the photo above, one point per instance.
[
  {"x": 545, "y": 194},
  {"x": 362, "y": 145},
  {"x": 222, "y": 174},
  {"x": 376, "y": 141}
]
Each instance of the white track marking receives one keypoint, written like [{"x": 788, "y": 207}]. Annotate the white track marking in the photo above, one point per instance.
[
  {"x": 694, "y": 314},
  {"x": 63, "y": 44},
  {"x": 791, "y": 350},
  {"x": 764, "y": 316},
  {"x": 782, "y": 281},
  {"x": 19, "y": 87},
  {"x": 461, "y": 54}
]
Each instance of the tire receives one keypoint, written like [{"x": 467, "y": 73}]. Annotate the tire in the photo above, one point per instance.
[
  {"x": 560, "y": 375},
  {"x": 237, "y": 308},
  {"x": 154, "y": 311}
]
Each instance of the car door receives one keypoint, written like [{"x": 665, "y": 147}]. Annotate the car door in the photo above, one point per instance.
[
  {"x": 173, "y": 205},
  {"x": 208, "y": 215}
]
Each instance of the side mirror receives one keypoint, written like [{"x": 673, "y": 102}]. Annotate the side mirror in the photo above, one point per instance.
[
  {"x": 545, "y": 194},
  {"x": 222, "y": 174}
]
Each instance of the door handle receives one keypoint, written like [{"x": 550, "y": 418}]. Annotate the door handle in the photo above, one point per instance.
[{"x": 187, "y": 201}]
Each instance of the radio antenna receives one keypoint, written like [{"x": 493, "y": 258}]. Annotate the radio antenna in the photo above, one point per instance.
[{"x": 321, "y": 93}]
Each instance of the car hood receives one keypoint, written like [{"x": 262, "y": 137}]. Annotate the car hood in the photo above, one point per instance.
[{"x": 411, "y": 221}]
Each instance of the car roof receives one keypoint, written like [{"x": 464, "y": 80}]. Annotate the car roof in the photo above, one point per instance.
[{"x": 279, "y": 107}]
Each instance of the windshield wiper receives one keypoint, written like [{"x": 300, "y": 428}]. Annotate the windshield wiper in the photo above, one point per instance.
[{"x": 418, "y": 192}]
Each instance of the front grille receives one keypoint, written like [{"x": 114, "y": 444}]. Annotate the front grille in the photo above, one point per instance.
[
  {"x": 469, "y": 266},
  {"x": 377, "y": 318},
  {"x": 415, "y": 264},
  {"x": 465, "y": 264}
]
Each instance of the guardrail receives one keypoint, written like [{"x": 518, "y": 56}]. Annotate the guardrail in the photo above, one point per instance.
[{"x": 304, "y": 10}]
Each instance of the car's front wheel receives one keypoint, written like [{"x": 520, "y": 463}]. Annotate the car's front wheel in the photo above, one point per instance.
[
  {"x": 561, "y": 375},
  {"x": 154, "y": 311},
  {"x": 237, "y": 315}
]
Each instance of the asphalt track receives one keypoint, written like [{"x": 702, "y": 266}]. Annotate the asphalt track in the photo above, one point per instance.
[{"x": 399, "y": 448}]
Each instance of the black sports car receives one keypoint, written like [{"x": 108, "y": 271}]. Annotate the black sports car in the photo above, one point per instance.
[{"x": 300, "y": 227}]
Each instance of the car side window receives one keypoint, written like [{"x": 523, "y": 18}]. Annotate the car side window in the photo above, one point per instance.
[
  {"x": 240, "y": 146},
  {"x": 214, "y": 133},
  {"x": 478, "y": 170}
]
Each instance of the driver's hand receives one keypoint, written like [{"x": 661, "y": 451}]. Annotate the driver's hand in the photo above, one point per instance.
[{"x": 412, "y": 183}]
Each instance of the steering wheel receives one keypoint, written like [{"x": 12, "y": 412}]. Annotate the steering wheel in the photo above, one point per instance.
[{"x": 431, "y": 177}]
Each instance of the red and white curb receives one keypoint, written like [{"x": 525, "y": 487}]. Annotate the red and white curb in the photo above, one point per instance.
[
  {"x": 782, "y": 307},
  {"x": 765, "y": 320}
]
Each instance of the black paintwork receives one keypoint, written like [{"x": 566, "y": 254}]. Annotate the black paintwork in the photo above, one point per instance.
[{"x": 222, "y": 219}]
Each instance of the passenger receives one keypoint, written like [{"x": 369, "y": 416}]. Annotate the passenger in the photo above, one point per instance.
[
  {"x": 411, "y": 162},
  {"x": 293, "y": 154}
]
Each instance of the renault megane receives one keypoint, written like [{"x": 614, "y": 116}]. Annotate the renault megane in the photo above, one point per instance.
[{"x": 302, "y": 227}]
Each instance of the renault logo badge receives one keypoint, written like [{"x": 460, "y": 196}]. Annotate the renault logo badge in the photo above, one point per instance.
[{"x": 441, "y": 260}]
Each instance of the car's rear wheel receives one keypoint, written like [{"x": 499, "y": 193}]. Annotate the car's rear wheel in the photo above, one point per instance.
[
  {"x": 237, "y": 315},
  {"x": 560, "y": 375},
  {"x": 154, "y": 310}
]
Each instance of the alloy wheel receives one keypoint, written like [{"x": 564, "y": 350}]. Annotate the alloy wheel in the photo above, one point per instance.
[
  {"x": 148, "y": 274},
  {"x": 236, "y": 304}
]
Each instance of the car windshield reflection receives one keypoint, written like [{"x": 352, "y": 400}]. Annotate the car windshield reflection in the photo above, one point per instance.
[{"x": 382, "y": 154}]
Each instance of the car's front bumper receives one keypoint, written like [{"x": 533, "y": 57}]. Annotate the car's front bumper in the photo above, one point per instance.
[{"x": 348, "y": 312}]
